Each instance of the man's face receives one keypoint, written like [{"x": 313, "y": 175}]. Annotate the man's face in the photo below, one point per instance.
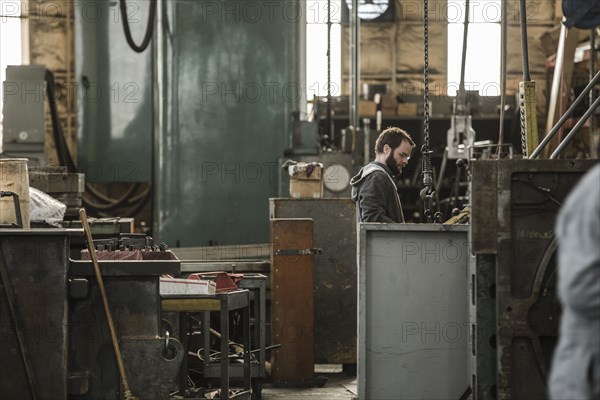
[{"x": 398, "y": 158}]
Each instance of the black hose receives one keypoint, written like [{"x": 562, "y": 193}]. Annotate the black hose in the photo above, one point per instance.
[
  {"x": 524, "y": 47},
  {"x": 65, "y": 159},
  {"x": 149, "y": 27},
  {"x": 136, "y": 208},
  {"x": 99, "y": 195},
  {"x": 64, "y": 156},
  {"x": 112, "y": 204},
  {"x": 139, "y": 206}
]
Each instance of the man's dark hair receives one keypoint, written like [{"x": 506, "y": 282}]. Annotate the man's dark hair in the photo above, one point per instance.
[{"x": 393, "y": 137}]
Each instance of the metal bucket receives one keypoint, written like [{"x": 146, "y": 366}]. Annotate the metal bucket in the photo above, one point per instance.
[{"x": 14, "y": 177}]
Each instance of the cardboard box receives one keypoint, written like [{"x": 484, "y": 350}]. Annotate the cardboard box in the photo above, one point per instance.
[
  {"x": 367, "y": 108},
  {"x": 407, "y": 109},
  {"x": 306, "y": 180},
  {"x": 388, "y": 105},
  {"x": 312, "y": 189}
]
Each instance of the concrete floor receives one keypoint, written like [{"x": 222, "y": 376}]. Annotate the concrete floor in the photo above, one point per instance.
[{"x": 338, "y": 387}]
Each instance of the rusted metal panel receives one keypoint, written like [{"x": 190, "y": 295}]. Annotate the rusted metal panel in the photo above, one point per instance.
[
  {"x": 132, "y": 288},
  {"x": 334, "y": 224},
  {"x": 514, "y": 206},
  {"x": 484, "y": 367},
  {"x": 139, "y": 352},
  {"x": 35, "y": 265},
  {"x": 483, "y": 210},
  {"x": 292, "y": 307},
  {"x": 529, "y": 196}
]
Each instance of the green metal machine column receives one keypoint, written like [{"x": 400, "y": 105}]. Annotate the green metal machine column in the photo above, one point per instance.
[{"x": 228, "y": 89}]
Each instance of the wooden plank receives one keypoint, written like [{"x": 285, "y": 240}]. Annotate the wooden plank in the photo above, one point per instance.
[
  {"x": 190, "y": 305},
  {"x": 292, "y": 303}
]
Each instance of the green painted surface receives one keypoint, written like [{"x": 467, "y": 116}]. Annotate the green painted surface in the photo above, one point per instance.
[
  {"x": 114, "y": 89},
  {"x": 229, "y": 92}
]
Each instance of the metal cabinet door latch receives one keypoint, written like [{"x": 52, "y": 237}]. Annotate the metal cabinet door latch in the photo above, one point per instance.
[{"x": 298, "y": 252}]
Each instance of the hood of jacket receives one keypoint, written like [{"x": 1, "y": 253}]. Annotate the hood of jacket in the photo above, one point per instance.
[{"x": 365, "y": 171}]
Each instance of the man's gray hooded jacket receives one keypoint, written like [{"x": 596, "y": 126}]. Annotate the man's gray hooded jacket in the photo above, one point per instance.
[{"x": 376, "y": 195}]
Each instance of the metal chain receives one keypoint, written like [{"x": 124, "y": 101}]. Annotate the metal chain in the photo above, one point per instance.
[
  {"x": 426, "y": 74},
  {"x": 329, "y": 107},
  {"x": 426, "y": 193},
  {"x": 526, "y": 74},
  {"x": 523, "y": 127}
]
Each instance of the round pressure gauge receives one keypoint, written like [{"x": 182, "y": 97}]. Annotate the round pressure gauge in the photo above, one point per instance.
[
  {"x": 337, "y": 178},
  {"x": 370, "y": 9}
]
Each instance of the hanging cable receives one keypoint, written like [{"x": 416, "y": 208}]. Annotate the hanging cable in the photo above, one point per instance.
[
  {"x": 64, "y": 155},
  {"x": 66, "y": 160},
  {"x": 102, "y": 197},
  {"x": 149, "y": 27},
  {"x": 108, "y": 203},
  {"x": 527, "y": 93},
  {"x": 329, "y": 118},
  {"x": 426, "y": 192},
  {"x": 524, "y": 46}
]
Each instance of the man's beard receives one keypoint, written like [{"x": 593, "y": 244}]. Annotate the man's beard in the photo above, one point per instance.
[{"x": 392, "y": 165}]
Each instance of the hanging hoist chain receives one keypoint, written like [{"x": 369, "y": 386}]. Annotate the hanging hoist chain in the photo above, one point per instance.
[
  {"x": 426, "y": 192},
  {"x": 523, "y": 125}
]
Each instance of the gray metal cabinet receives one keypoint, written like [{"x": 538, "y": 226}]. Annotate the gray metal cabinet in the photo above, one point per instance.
[{"x": 413, "y": 311}]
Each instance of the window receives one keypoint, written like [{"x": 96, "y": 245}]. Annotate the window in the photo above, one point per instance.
[
  {"x": 482, "y": 70},
  {"x": 316, "y": 48},
  {"x": 11, "y": 25}
]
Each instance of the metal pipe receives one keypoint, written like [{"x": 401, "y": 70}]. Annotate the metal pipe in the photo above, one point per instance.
[
  {"x": 69, "y": 50},
  {"x": 565, "y": 116},
  {"x": 575, "y": 129},
  {"x": 463, "y": 64},
  {"x": 442, "y": 172},
  {"x": 503, "y": 56},
  {"x": 354, "y": 66},
  {"x": 158, "y": 104}
]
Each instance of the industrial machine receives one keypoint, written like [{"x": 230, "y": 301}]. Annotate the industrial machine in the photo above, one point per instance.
[
  {"x": 23, "y": 113},
  {"x": 86, "y": 325},
  {"x": 57, "y": 341},
  {"x": 468, "y": 295},
  {"x": 514, "y": 208}
]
